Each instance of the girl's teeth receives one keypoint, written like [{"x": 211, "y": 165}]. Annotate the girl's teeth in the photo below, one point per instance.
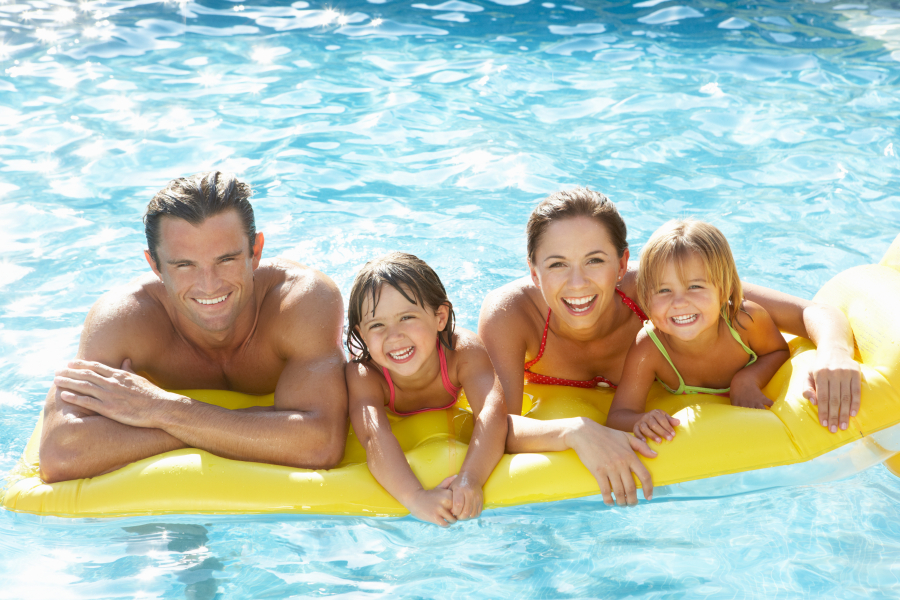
[
  {"x": 685, "y": 319},
  {"x": 401, "y": 355}
]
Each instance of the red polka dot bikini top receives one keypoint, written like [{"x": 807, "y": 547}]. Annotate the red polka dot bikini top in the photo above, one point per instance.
[{"x": 599, "y": 380}]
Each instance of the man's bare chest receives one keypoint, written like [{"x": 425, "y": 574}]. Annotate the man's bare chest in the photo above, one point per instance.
[{"x": 253, "y": 370}]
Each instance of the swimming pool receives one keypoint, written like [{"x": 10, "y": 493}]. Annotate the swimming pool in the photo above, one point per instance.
[{"x": 434, "y": 128}]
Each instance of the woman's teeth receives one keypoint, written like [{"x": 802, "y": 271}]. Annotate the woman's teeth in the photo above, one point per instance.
[
  {"x": 684, "y": 319},
  {"x": 401, "y": 354},
  {"x": 212, "y": 300},
  {"x": 579, "y": 304}
]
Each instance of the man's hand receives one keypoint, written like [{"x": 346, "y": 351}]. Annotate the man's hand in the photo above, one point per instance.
[
  {"x": 118, "y": 394},
  {"x": 468, "y": 497},
  {"x": 610, "y": 457},
  {"x": 834, "y": 385},
  {"x": 434, "y": 505}
]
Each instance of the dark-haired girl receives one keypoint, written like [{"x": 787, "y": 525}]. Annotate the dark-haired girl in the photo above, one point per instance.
[{"x": 409, "y": 359}]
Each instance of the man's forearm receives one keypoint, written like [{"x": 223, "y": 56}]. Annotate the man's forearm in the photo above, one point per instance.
[
  {"x": 79, "y": 447},
  {"x": 282, "y": 437}
]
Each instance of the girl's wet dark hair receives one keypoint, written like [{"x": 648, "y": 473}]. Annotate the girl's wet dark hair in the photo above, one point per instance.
[
  {"x": 410, "y": 276},
  {"x": 197, "y": 198},
  {"x": 578, "y": 202}
]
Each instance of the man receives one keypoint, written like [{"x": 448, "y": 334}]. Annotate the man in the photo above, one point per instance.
[{"x": 211, "y": 315}]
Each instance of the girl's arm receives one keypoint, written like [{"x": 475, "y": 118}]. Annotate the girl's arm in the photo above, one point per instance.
[
  {"x": 501, "y": 326},
  {"x": 627, "y": 409},
  {"x": 385, "y": 458},
  {"x": 771, "y": 350},
  {"x": 834, "y": 379},
  {"x": 485, "y": 396}
]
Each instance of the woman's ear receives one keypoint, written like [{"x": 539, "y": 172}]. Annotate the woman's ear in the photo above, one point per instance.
[
  {"x": 534, "y": 276},
  {"x": 623, "y": 265}
]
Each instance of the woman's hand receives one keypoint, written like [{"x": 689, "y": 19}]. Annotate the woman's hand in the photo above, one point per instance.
[
  {"x": 434, "y": 505},
  {"x": 655, "y": 424},
  {"x": 468, "y": 497},
  {"x": 833, "y": 385},
  {"x": 610, "y": 457}
]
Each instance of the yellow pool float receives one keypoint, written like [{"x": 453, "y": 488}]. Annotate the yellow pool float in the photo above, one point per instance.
[{"x": 719, "y": 449}]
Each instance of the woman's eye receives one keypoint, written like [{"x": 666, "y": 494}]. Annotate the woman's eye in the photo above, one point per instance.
[
  {"x": 556, "y": 264},
  {"x": 595, "y": 261}
]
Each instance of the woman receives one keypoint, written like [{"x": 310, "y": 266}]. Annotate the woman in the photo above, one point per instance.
[{"x": 572, "y": 321}]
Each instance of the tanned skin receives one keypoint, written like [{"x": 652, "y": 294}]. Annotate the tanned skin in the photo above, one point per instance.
[{"x": 211, "y": 315}]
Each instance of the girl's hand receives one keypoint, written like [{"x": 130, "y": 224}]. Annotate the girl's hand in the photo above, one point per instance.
[
  {"x": 610, "y": 457},
  {"x": 434, "y": 505},
  {"x": 748, "y": 394},
  {"x": 654, "y": 424},
  {"x": 468, "y": 497}
]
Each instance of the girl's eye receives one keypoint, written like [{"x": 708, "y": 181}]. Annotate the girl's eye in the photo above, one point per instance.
[
  {"x": 663, "y": 291},
  {"x": 405, "y": 317},
  {"x": 374, "y": 325}
]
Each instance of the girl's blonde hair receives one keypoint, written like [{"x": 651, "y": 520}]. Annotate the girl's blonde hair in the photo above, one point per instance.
[
  {"x": 676, "y": 241},
  {"x": 410, "y": 276}
]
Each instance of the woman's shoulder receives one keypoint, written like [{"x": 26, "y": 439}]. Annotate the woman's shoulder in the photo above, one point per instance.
[{"x": 516, "y": 301}]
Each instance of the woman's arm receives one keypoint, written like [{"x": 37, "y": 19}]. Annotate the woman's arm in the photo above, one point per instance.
[
  {"x": 501, "y": 326},
  {"x": 771, "y": 350},
  {"x": 485, "y": 396},
  {"x": 385, "y": 458},
  {"x": 627, "y": 411},
  {"x": 609, "y": 455},
  {"x": 834, "y": 379}
]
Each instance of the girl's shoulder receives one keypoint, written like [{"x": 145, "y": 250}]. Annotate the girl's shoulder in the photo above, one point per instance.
[{"x": 750, "y": 317}]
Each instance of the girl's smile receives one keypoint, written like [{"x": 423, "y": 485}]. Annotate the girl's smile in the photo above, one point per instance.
[
  {"x": 685, "y": 304},
  {"x": 400, "y": 335}
]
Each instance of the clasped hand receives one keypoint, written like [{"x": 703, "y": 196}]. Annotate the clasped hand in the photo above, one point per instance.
[{"x": 118, "y": 394}]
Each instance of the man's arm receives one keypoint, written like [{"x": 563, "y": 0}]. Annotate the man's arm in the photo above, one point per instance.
[
  {"x": 306, "y": 428},
  {"x": 78, "y": 443},
  {"x": 834, "y": 379}
]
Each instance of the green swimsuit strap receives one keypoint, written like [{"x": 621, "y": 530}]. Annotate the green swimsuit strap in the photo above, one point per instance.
[
  {"x": 648, "y": 327},
  {"x": 693, "y": 389}
]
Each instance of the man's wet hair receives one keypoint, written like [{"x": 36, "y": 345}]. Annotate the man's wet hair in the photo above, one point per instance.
[{"x": 197, "y": 198}]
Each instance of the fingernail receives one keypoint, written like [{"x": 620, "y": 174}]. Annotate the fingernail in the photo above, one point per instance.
[
  {"x": 833, "y": 429},
  {"x": 824, "y": 423},
  {"x": 852, "y": 413},
  {"x": 844, "y": 425}
]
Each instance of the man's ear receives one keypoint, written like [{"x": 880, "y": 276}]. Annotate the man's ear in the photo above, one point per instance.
[
  {"x": 152, "y": 263},
  {"x": 257, "y": 248}
]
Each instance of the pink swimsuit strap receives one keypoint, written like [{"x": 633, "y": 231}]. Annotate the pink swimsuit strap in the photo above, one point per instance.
[
  {"x": 599, "y": 380},
  {"x": 445, "y": 379}
]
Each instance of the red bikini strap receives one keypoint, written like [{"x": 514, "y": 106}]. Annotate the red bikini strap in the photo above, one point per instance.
[
  {"x": 387, "y": 376},
  {"x": 632, "y": 305},
  {"x": 445, "y": 376},
  {"x": 540, "y": 353}
]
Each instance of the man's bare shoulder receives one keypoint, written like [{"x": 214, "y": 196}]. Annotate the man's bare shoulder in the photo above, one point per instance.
[
  {"x": 133, "y": 311},
  {"x": 299, "y": 301}
]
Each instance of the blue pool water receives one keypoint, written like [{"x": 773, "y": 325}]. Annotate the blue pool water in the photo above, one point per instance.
[{"x": 434, "y": 128}]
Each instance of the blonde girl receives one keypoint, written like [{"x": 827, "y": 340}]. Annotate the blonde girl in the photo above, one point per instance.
[
  {"x": 409, "y": 358},
  {"x": 703, "y": 336}
]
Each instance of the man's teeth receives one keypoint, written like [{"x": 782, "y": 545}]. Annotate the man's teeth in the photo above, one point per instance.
[
  {"x": 579, "y": 304},
  {"x": 685, "y": 319},
  {"x": 401, "y": 354},
  {"x": 211, "y": 301}
]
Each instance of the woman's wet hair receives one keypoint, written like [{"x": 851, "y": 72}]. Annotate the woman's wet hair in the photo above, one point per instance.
[
  {"x": 569, "y": 204},
  {"x": 409, "y": 275},
  {"x": 197, "y": 198},
  {"x": 677, "y": 241}
]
